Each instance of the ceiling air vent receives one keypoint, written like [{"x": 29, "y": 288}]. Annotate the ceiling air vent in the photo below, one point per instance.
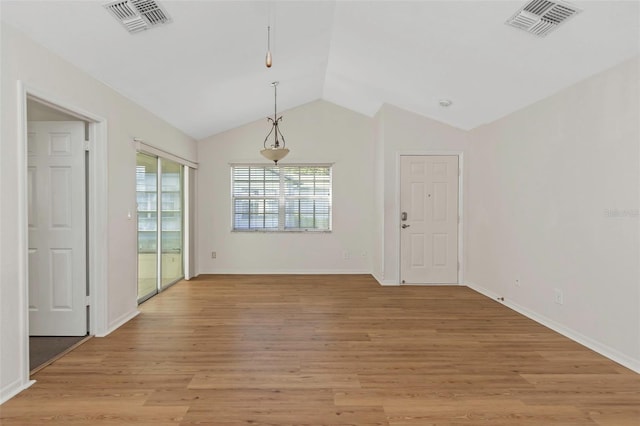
[
  {"x": 540, "y": 17},
  {"x": 138, "y": 15}
]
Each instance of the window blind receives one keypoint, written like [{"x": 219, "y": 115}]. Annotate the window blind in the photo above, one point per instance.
[{"x": 285, "y": 198}]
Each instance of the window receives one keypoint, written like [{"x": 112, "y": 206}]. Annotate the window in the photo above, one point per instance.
[{"x": 284, "y": 198}]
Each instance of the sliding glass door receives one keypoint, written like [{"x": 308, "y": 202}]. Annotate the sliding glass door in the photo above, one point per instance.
[
  {"x": 172, "y": 220},
  {"x": 147, "y": 197},
  {"x": 160, "y": 188}
]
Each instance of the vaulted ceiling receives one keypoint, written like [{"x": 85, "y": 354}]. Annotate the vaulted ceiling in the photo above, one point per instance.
[{"x": 204, "y": 72}]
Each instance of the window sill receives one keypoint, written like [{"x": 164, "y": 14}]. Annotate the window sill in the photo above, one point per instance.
[{"x": 281, "y": 231}]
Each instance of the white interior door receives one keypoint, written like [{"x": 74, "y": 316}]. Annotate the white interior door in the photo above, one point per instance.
[
  {"x": 429, "y": 219},
  {"x": 57, "y": 228}
]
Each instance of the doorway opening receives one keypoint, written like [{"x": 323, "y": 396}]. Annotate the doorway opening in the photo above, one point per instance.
[
  {"x": 95, "y": 251},
  {"x": 57, "y": 161}
]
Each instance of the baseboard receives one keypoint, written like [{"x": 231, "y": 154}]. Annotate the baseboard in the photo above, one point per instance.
[
  {"x": 119, "y": 322},
  {"x": 594, "y": 345},
  {"x": 12, "y": 389},
  {"x": 288, "y": 272},
  {"x": 484, "y": 291},
  {"x": 385, "y": 282}
]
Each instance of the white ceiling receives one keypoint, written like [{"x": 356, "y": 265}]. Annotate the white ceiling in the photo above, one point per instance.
[{"x": 204, "y": 73}]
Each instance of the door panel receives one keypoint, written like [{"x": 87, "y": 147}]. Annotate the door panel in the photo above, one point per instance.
[
  {"x": 57, "y": 229},
  {"x": 147, "y": 189},
  {"x": 417, "y": 250},
  {"x": 429, "y": 235},
  {"x": 171, "y": 268},
  {"x": 440, "y": 204},
  {"x": 61, "y": 202},
  {"x": 61, "y": 279},
  {"x": 440, "y": 249},
  {"x": 416, "y": 210}
]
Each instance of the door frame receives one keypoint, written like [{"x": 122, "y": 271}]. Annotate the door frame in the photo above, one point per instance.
[
  {"x": 97, "y": 248},
  {"x": 143, "y": 147},
  {"x": 396, "y": 214}
]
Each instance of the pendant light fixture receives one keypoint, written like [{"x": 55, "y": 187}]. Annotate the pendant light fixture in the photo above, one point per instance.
[
  {"x": 275, "y": 151},
  {"x": 268, "y": 61}
]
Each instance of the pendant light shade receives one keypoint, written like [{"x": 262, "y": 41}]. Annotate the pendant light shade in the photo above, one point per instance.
[
  {"x": 274, "y": 154},
  {"x": 268, "y": 60},
  {"x": 277, "y": 150}
]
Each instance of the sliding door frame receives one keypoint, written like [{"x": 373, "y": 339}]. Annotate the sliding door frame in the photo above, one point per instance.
[{"x": 186, "y": 202}]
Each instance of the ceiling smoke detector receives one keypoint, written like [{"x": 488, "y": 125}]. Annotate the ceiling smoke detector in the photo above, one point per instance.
[
  {"x": 138, "y": 15},
  {"x": 540, "y": 17}
]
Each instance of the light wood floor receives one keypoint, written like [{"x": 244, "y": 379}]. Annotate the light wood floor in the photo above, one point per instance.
[{"x": 327, "y": 350}]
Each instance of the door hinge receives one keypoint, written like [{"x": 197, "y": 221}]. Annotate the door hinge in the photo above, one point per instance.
[
  {"x": 87, "y": 301},
  {"x": 86, "y": 145}
]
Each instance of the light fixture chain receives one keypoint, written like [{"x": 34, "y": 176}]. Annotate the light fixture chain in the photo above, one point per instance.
[{"x": 275, "y": 100}]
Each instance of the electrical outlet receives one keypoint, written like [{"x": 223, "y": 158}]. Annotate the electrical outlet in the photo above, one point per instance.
[
  {"x": 517, "y": 283},
  {"x": 558, "y": 297},
  {"x": 213, "y": 254},
  {"x": 346, "y": 255}
]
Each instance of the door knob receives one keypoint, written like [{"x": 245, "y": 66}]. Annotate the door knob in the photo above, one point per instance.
[{"x": 404, "y": 225}]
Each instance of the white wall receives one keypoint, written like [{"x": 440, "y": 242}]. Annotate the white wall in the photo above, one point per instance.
[
  {"x": 544, "y": 184},
  {"x": 22, "y": 59},
  {"x": 316, "y": 132},
  {"x": 412, "y": 134}
]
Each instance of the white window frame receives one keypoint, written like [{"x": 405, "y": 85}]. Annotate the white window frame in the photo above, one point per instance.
[{"x": 282, "y": 198}]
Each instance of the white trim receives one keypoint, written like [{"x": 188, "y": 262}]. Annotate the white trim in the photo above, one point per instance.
[
  {"x": 41, "y": 97},
  {"x": 602, "y": 349},
  {"x": 434, "y": 284},
  {"x": 282, "y": 231},
  {"x": 98, "y": 248},
  {"x": 98, "y": 227},
  {"x": 196, "y": 235},
  {"x": 158, "y": 225},
  {"x": 484, "y": 291},
  {"x": 23, "y": 239},
  {"x": 396, "y": 219},
  {"x": 119, "y": 323},
  {"x": 460, "y": 155},
  {"x": 385, "y": 282},
  {"x": 289, "y": 272},
  {"x": 460, "y": 218},
  {"x": 186, "y": 223},
  {"x": 142, "y": 146},
  {"x": 12, "y": 389}
]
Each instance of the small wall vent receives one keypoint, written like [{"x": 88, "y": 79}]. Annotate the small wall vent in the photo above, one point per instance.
[
  {"x": 540, "y": 17},
  {"x": 138, "y": 15}
]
